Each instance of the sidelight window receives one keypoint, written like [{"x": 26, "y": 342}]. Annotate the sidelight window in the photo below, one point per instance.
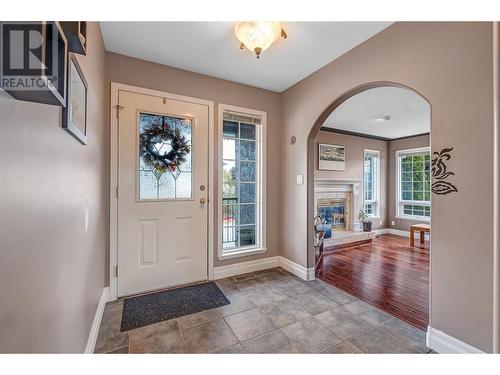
[{"x": 242, "y": 185}]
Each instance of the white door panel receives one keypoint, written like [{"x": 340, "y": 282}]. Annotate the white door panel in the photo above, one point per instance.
[{"x": 162, "y": 225}]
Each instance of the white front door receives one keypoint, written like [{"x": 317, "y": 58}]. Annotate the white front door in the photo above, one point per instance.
[{"x": 162, "y": 192}]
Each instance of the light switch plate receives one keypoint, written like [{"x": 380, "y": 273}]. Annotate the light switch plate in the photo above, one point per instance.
[{"x": 300, "y": 179}]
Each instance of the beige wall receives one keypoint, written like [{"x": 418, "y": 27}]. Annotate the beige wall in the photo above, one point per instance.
[
  {"x": 450, "y": 64},
  {"x": 354, "y": 151},
  {"x": 127, "y": 70},
  {"x": 51, "y": 270},
  {"x": 397, "y": 145}
]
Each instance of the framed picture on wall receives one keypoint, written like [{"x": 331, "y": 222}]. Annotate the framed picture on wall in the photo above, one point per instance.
[
  {"x": 75, "y": 114},
  {"x": 331, "y": 157}
]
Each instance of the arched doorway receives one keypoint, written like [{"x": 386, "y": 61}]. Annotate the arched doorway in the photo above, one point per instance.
[{"x": 397, "y": 208}]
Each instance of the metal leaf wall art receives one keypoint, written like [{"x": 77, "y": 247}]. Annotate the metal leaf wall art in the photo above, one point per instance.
[{"x": 440, "y": 173}]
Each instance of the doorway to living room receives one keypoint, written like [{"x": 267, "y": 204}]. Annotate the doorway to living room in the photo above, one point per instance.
[{"x": 371, "y": 199}]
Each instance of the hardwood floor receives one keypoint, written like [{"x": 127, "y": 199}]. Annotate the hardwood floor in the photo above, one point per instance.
[{"x": 387, "y": 273}]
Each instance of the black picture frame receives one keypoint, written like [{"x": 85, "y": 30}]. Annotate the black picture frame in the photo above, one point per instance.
[
  {"x": 76, "y": 34},
  {"x": 52, "y": 54},
  {"x": 75, "y": 82}
]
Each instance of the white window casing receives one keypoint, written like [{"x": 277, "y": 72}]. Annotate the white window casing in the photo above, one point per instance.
[
  {"x": 372, "y": 204},
  {"x": 228, "y": 242},
  {"x": 407, "y": 206}
]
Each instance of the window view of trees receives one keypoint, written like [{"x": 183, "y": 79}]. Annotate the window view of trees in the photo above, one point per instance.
[
  {"x": 370, "y": 185},
  {"x": 239, "y": 185},
  {"x": 415, "y": 184}
]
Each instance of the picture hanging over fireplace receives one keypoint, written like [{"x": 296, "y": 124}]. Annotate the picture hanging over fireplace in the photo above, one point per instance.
[{"x": 331, "y": 157}]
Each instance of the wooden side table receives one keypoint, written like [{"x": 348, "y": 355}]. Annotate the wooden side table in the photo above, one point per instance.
[{"x": 422, "y": 228}]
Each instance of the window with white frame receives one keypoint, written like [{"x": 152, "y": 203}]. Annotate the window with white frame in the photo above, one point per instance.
[
  {"x": 241, "y": 228},
  {"x": 414, "y": 183},
  {"x": 371, "y": 182}
]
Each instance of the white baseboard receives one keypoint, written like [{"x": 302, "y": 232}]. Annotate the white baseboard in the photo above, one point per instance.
[
  {"x": 94, "y": 330},
  {"x": 399, "y": 232},
  {"x": 396, "y": 232},
  {"x": 344, "y": 238},
  {"x": 245, "y": 267},
  {"x": 262, "y": 264},
  {"x": 443, "y": 343},
  {"x": 304, "y": 273}
]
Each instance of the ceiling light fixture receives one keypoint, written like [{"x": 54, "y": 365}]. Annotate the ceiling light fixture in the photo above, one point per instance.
[{"x": 258, "y": 36}]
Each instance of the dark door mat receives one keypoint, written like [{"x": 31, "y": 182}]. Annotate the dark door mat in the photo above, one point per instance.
[{"x": 152, "y": 308}]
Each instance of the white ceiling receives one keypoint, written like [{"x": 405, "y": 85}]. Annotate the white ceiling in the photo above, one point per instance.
[
  {"x": 364, "y": 112},
  {"x": 211, "y": 48}
]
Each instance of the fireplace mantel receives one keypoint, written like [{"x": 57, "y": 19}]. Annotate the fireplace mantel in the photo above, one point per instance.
[{"x": 337, "y": 185}]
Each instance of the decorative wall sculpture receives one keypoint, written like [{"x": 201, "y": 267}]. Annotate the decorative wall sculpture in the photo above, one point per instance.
[{"x": 440, "y": 173}]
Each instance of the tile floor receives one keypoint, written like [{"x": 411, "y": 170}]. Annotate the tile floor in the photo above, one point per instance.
[{"x": 271, "y": 311}]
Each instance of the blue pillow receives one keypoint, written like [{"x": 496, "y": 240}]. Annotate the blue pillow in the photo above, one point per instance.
[{"x": 327, "y": 228}]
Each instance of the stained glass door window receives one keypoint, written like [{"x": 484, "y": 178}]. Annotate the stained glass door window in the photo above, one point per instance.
[{"x": 175, "y": 182}]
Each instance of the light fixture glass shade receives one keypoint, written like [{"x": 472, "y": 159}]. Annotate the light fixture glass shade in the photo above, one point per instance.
[{"x": 258, "y": 36}]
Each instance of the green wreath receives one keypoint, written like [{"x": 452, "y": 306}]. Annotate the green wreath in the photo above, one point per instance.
[{"x": 159, "y": 133}]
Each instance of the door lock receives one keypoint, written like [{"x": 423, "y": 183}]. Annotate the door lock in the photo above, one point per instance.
[{"x": 202, "y": 187}]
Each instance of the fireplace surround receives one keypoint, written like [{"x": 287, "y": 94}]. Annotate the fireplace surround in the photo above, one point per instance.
[
  {"x": 346, "y": 227},
  {"x": 336, "y": 191}
]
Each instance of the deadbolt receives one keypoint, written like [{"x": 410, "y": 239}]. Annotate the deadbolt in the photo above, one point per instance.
[
  {"x": 202, "y": 187},
  {"x": 203, "y": 200}
]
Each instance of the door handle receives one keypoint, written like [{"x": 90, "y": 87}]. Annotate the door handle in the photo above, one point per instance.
[{"x": 203, "y": 201}]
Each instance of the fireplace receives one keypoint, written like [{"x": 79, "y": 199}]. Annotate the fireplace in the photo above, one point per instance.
[
  {"x": 337, "y": 202},
  {"x": 333, "y": 211}
]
